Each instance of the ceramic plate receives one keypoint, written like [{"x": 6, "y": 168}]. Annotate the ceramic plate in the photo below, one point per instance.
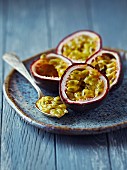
[{"x": 111, "y": 115}]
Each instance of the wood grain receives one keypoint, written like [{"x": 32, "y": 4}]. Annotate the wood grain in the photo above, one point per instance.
[
  {"x": 82, "y": 152},
  {"x": 1, "y": 67},
  {"x": 29, "y": 27},
  {"x": 113, "y": 27},
  {"x": 23, "y": 146},
  {"x": 88, "y": 152},
  {"x": 1, "y": 50},
  {"x": 66, "y": 17},
  {"x": 109, "y": 19},
  {"x": 118, "y": 149}
]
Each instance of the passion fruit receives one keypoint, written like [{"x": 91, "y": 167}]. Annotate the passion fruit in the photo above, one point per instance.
[
  {"x": 80, "y": 45},
  {"x": 82, "y": 87},
  {"x": 48, "y": 69},
  {"x": 51, "y": 106},
  {"x": 109, "y": 63}
]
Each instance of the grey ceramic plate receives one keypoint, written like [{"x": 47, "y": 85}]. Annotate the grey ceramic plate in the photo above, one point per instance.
[{"x": 111, "y": 115}]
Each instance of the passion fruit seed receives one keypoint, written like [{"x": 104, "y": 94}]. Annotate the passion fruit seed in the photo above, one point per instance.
[
  {"x": 52, "y": 106},
  {"x": 80, "y": 47},
  {"x": 58, "y": 63},
  {"x": 85, "y": 85},
  {"x": 107, "y": 65}
]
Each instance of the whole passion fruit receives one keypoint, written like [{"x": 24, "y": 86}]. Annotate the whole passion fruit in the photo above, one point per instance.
[
  {"x": 82, "y": 87},
  {"x": 109, "y": 63},
  {"x": 80, "y": 45},
  {"x": 48, "y": 69}
]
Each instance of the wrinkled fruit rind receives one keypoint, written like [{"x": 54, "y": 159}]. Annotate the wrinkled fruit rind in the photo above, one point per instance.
[
  {"x": 48, "y": 69},
  {"x": 86, "y": 104},
  {"x": 109, "y": 63},
  {"x": 80, "y": 45},
  {"x": 50, "y": 79}
]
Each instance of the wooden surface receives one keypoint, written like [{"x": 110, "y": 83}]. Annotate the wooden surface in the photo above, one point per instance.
[{"x": 29, "y": 27}]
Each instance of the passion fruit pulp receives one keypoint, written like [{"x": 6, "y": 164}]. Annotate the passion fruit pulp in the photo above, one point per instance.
[
  {"x": 109, "y": 63},
  {"x": 82, "y": 87},
  {"x": 80, "y": 45},
  {"x": 52, "y": 106},
  {"x": 48, "y": 69}
]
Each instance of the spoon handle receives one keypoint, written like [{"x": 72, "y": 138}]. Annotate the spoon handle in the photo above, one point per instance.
[{"x": 13, "y": 60}]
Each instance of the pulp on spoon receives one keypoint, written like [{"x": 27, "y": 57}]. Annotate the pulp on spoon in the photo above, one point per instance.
[
  {"x": 53, "y": 106},
  {"x": 50, "y": 106}
]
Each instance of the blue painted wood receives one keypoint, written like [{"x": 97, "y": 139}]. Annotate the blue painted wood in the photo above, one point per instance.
[
  {"x": 88, "y": 152},
  {"x": 111, "y": 22},
  {"x": 118, "y": 149},
  {"x": 1, "y": 48},
  {"x": 109, "y": 19},
  {"x": 27, "y": 25},
  {"x": 66, "y": 17},
  {"x": 32, "y": 27},
  {"x": 82, "y": 152},
  {"x": 1, "y": 66},
  {"x": 24, "y": 146}
]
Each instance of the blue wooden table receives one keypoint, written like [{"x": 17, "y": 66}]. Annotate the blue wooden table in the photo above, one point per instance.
[{"x": 29, "y": 27}]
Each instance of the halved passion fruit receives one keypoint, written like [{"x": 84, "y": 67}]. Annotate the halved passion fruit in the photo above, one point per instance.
[
  {"x": 108, "y": 62},
  {"x": 80, "y": 45},
  {"x": 82, "y": 87},
  {"x": 48, "y": 69}
]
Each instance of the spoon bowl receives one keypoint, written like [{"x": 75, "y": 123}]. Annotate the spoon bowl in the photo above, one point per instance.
[{"x": 13, "y": 60}]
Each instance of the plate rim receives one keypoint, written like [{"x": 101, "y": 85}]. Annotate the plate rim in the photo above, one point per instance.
[{"x": 55, "y": 128}]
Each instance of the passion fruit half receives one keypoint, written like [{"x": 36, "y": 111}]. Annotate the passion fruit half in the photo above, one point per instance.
[
  {"x": 82, "y": 87},
  {"x": 109, "y": 63},
  {"x": 48, "y": 69},
  {"x": 80, "y": 45}
]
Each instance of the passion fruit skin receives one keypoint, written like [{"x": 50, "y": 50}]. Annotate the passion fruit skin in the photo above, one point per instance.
[
  {"x": 82, "y": 107},
  {"x": 121, "y": 69},
  {"x": 82, "y": 32},
  {"x": 49, "y": 84},
  {"x": 121, "y": 76}
]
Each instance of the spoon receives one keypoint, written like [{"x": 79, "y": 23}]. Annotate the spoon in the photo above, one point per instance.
[{"x": 13, "y": 60}]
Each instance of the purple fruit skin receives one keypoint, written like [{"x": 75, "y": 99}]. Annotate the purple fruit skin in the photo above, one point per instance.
[
  {"x": 121, "y": 75},
  {"x": 77, "y": 32},
  {"x": 83, "y": 107},
  {"x": 51, "y": 86}
]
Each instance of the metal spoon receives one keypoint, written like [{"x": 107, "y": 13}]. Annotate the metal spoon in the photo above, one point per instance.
[{"x": 13, "y": 60}]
